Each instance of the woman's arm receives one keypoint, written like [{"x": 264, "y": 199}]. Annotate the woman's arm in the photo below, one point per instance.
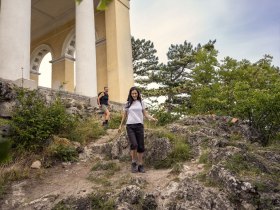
[
  {"x": 124, "y": 116},
  {"x": 149, "y": 117}
]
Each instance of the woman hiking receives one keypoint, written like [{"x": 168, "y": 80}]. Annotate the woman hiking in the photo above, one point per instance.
[{"x": 134, "y": 112}]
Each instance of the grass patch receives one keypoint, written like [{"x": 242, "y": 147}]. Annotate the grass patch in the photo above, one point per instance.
[
  {"x": 181, "y": 150},
  {"x": 106, "y": 166},
  {"x": 86, "y": 130},
  {"x": 204, "y": 157},
  {"x": 100, "y": 180},
  {"x": 61, "y": 149},
  {"x": 177, "y": 168},
  {"x": 163, "y": 133},
  {"x": 102, "y": 200},
  {"x": 115, "y": 120},
  {"x": 235, "y": 137},
  {"x": 13, "y": 173},
  {"x": 194, "y": 128},
  {"x": 203, "y": 177},
  {"x": 4, "y": 121},
  {"x": 238, "y": 164},
  {"x": 102, "y": 171}
]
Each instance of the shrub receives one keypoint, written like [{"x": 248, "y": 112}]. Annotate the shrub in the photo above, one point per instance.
[
  {"x": 164, "y": 117},
  {"x": 34, "y": 121},
  {"x": 86, "y": 130},
  {"x": 65, "y": 153},
  {"x": 115, "y": 120}
]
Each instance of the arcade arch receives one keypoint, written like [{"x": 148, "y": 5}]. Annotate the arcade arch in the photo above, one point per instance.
[{"x": 37, "y": 56}]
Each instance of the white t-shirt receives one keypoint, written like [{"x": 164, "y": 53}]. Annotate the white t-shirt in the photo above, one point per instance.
[{"x": 135, "y": 113}]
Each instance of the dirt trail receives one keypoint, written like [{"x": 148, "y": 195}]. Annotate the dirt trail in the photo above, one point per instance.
[{"x": 63, "y": 181}]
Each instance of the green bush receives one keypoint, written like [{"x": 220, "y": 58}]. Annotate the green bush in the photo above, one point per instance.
[
  {"x": 86, "y": 130},
  {"x": 261, "y": 108},
  {"x": 65, "y": 153},
  {"x": 164, "y": 117},
  {"x": 34, "y": 121}
]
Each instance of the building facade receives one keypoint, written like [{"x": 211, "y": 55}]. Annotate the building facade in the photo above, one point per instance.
[{"x": 97, "y": 44}]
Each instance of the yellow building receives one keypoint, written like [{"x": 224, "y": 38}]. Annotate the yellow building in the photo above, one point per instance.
[{"x": 97, "y": 43}]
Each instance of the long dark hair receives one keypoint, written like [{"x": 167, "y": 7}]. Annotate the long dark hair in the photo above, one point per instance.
[{"x": 130, "y": 99}]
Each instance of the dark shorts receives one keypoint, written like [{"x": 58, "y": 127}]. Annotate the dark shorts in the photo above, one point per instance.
[{"x": 135, "y": 133}]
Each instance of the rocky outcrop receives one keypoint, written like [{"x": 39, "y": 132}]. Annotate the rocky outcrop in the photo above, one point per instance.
[
  {"x": 222, "y": 141},
  {"x": 190, "y": 194}
]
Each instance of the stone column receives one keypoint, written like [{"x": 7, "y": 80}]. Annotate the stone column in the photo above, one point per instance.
[
  {"x": 15, "y": 26},
  {"x": 63, "y": 74},
  {"x": 86, "y": 79},
  {"x": 119, "y": 50}
]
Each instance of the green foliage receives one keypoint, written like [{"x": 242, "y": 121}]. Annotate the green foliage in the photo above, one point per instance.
[
  {"x": 102, "y": 171},
  {"x": 64, "y": 153},
  {"x": 177, "y": 168},
  {"x": 115, "y": 120},
  {"x": 105, "y": 166},
  {"x": 86, "y": 130},
  {"x": 164, "y": 117},
  {"x": 102, "y": 201},
  {"x": 240, "y": 165},
  {"x": 194, "y": 82},
  {"x": 9, "y": 175},
  {"x": 248, "y": 91},
  {"x": 204, "y": 157},
  {"x": 204, "y": 72},
  {"x": 172, "y": 77},
  {"x": 5, "y": 146},
  {"x": 143, "y": 57},
  {"x": 181, "y": 150},
  {"x": 102, "y": 5},
  {"x": 4, "y": 121},
  {"x": 34, "y": 121}
]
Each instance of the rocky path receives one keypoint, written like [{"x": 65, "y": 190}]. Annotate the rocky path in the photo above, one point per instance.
[{"x": 47, "y": 187}]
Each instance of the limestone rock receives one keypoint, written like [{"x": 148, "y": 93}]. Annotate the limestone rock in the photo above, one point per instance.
[
  {"x": 149, "y": 202},
  {"x": 130, "y": 194},
  {"x": 36, "y": 165},
  {"x": 6, "y": 109}
]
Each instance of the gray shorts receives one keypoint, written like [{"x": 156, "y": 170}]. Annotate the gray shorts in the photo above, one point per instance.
[{"x": 104, "y": 107}]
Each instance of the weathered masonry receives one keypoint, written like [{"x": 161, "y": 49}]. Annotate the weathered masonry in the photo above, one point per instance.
[{"x": 97, "y": 44}]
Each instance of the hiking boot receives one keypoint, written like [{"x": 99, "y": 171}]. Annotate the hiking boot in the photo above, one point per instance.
[
  {"x": 105, "y": 125},
  {"x": 134, "y": 168},
  {"x": 141, "y": 169}
]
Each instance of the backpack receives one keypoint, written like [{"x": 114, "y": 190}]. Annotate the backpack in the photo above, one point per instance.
[{"x": 98, "y": 96}]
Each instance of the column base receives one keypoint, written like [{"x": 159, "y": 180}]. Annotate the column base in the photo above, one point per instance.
[{"x": 26, "y": 83}]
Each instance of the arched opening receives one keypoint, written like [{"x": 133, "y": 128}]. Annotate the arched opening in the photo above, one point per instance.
[
  {"x": 41, "y": 69},
  {"x": 45, "y": 72}
]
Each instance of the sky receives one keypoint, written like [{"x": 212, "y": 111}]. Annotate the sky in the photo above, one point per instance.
[{"x": 243, "y": 29}]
